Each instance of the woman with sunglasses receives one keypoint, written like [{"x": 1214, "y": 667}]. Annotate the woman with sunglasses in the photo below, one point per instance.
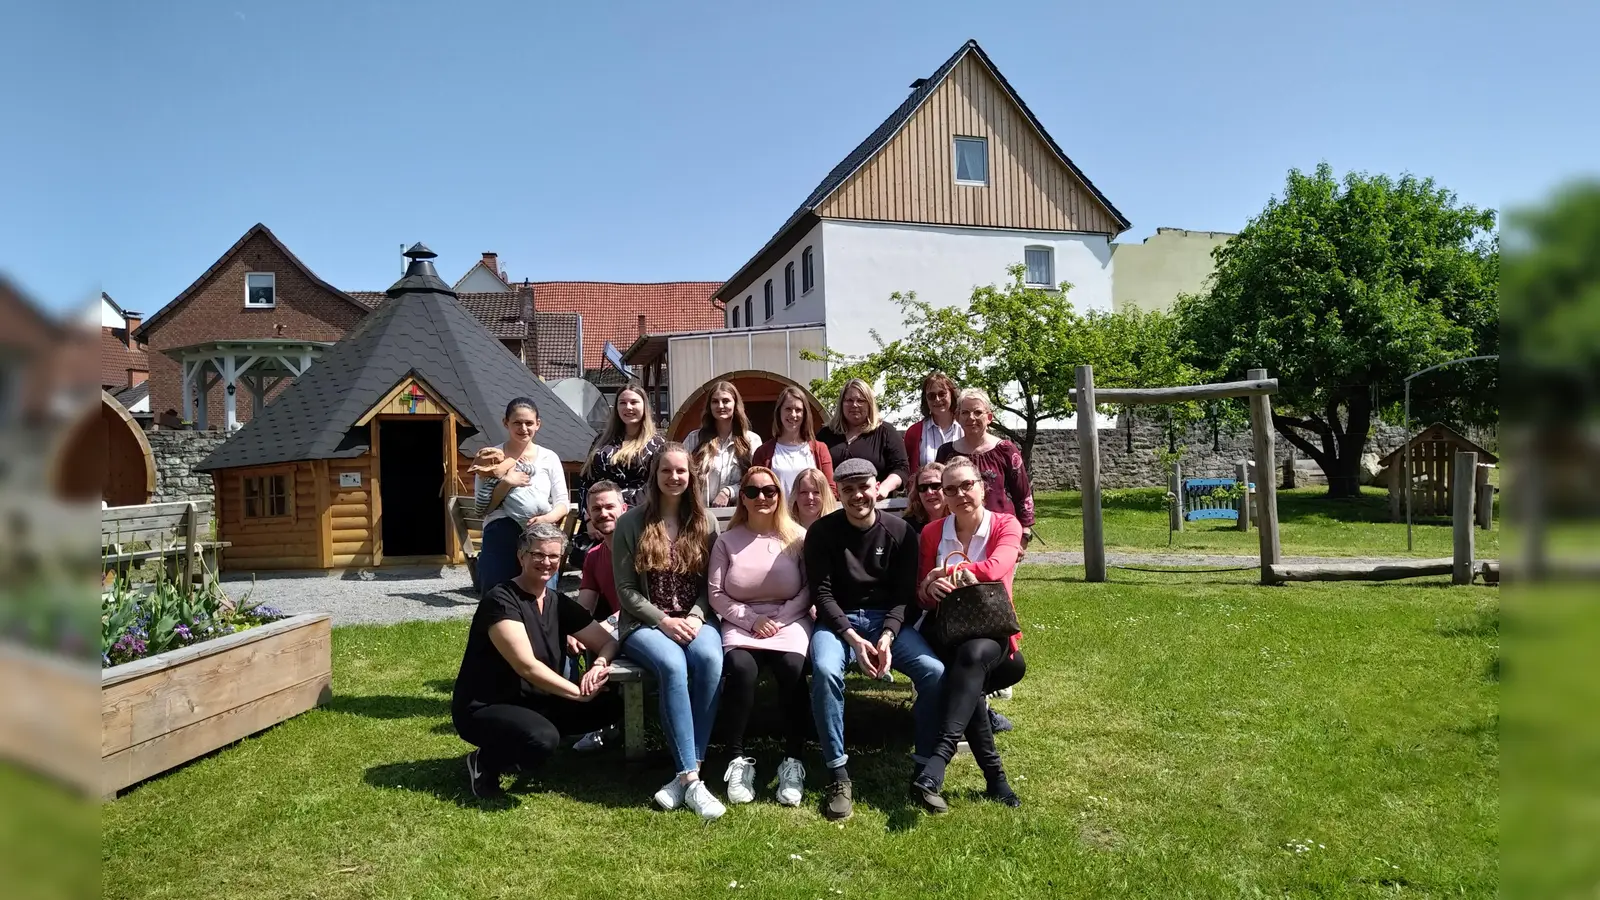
[
  {"x": 938, "y": 426},
  {"x": 999, "y": 461},
  {"x": 757, "y": 585},
  {"x": 813, "y": 497},
  {"x": 926, "y": 503},
  {"x": 973, "y": 668}
]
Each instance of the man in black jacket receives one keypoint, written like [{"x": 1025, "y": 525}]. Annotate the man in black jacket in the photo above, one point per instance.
[{"x": 861, "y": 567}]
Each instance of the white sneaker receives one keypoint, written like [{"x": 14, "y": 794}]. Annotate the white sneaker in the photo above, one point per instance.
[
  {"x": 671, "y": 794},
  {"x": 741, "y": 779},
  {"x": 791, "y": 782},
  {"x": 1002, "y": 694},
  {"x": 594, "y": 740},
  {"x": 699, "y": 798}
]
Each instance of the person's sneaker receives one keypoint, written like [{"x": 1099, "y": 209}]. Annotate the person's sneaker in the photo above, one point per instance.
[
  {"x": 887, "y": 676},
  {"x": 836, "y": 802},
  {"x": 1002, "y": 694},
  {"x": 927, "y": 796},
  {"x": 741, "y": 779},
  {"x": 791, "y": 782},
  {"x": 999, "y": 723},
  {"x": 699, "y": 798},
  {"x": 589, "y": 743},
  {"x": 671, "y": 794},
  {"x": 485, "y": 785},
  {"x": 1002, "y": 793}
]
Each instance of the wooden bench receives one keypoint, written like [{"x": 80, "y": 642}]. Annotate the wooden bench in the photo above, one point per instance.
[{"x": 179, "y": 534}]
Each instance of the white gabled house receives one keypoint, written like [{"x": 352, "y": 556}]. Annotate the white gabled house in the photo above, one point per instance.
[{"x": 959, "y": 183}]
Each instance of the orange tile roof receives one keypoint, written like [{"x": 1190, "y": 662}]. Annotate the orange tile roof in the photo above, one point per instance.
[{"x": 611, "y": 311}]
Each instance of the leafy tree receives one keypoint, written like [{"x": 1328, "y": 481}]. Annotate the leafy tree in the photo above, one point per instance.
[
  {"x": 1021, "y": 345},
  {"x": 1342, "y": 289}
]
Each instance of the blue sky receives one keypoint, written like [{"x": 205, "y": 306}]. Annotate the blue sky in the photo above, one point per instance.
[{"x": 634, "y": 141}]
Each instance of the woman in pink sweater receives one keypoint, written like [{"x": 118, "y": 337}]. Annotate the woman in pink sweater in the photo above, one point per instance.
[{"x": 756, "y": 582}]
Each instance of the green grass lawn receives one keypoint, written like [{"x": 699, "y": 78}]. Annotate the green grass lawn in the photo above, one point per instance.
[
  {"x": 1309, "y": 524},
  {"x": 1176, "y": 737}
]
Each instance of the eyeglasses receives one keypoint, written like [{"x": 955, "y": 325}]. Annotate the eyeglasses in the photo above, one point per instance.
[
  {"x": 928, "y": 487},
  {"x": 768, "y": 491},
  {"x": 543, "y": 557},
  {"x": 952, "y": 490}
]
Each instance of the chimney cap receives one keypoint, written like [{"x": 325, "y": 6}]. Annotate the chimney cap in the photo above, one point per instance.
[
  {"x": 918, "y": 83},
  {"x": 419, "y": 250}
]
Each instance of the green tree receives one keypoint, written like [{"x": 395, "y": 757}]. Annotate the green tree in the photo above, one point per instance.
[
  {"x": 1342, "y": 289},
  {"x": 1021, "y": 345}
]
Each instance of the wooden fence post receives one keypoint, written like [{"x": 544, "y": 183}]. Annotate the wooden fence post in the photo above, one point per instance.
[
  {"x": 1484, "y": 508},
  {"x": 1242, "y": 474},
  {"x": 1266, "y": 483},
  {"x": 1462, "y": 495},
  {"x": 191, "y": 528},
  {"x": 1175, "y": 508},
  {"x": 1094, "y": 537}
]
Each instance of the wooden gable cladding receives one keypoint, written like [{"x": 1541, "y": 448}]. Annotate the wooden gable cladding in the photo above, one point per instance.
[
  {"x": 411, "y": 397},
  {"x": 912, "y": 179}
]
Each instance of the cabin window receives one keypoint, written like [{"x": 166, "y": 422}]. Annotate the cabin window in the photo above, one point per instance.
[
  {"x": 972, "y": 160},
  {"x": 1041, "y": 265},
  {"x": 260, "y": 290},
  {"x": 266, "y": 496},
  {"x": 808, "y": 275}
]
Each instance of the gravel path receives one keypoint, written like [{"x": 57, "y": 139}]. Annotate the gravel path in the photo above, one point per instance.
[{"x": 445, "y": 592}]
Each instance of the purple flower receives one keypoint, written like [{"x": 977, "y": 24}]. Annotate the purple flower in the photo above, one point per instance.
[{"x": 183, "y": 632}]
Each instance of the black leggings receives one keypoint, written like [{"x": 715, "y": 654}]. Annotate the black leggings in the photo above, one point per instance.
[
  {"x": 511, "y": 734},
  {"x": 971, "y": 670},
  {"x": 741, "y": 666}
]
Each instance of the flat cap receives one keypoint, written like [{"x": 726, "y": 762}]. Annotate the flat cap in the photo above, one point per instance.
[{"x": 854, "y": 468}]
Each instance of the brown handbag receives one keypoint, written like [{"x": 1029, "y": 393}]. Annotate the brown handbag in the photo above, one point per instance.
[{"x": 980, "y": 610}]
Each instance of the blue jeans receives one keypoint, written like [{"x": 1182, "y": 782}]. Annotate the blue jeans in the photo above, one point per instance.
[
  {"x": 911, "y": 656},
  {"x": 690, "y": 679},
  {"x": 497, "y": 555}
]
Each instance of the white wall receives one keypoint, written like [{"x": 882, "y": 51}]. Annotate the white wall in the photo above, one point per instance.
[
  {"x": 480, "y": 281},
  {"x": 107, "y": 314},
  {"x": 808, "y": 305},
  {"x": 868, "y": 261}
]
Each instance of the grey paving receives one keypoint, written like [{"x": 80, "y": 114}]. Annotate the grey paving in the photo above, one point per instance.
[{"x": 392, "y": 595}]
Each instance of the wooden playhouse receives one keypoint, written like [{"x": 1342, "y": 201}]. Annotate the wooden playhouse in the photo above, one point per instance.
[
  {"x": 1433, "y": 463},
  {"x": 353, "y": 464}
]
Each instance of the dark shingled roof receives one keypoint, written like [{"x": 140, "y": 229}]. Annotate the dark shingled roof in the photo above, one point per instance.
[{"x": 420, "y": 330}]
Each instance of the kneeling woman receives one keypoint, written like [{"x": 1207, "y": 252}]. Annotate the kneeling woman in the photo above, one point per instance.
[
  {"x": 659, "y": 556},
  {"x": 758, "y": 587},
  {"x": 973, "y": 668},
  {"x": 510, "y": 699}
]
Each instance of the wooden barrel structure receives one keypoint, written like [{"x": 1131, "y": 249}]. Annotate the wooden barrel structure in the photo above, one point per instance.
[
  {"x": 105, "y": 456},
  {"x": 759, "y": 390}
]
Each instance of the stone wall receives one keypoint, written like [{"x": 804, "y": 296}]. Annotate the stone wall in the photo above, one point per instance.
[
  {"x": 1055, "y": 455},
  {"x": 176, "y": 454}
]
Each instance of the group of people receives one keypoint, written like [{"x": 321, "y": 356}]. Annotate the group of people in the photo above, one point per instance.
[{"x": 808, "y": 577}]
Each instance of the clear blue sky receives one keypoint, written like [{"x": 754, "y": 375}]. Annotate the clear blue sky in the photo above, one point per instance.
[{"x": 646, "y": 141}]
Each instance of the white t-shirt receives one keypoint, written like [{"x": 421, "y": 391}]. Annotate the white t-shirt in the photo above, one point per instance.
[
  {"x": 789, "y": 460},
  {"x": 724, "y": 470},
  {"x": 933, "y": 437},
  {"x": 977, "y": 549},
  {"x": 546, "y": 488}
]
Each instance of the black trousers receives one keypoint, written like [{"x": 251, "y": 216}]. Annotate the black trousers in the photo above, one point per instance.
[
  {"x": 741, "y": 667},
  {"x": 971, "y": 670},
  {"x": 525, "y": 734}
]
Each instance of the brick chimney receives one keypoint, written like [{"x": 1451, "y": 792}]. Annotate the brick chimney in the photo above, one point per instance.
[
  {"x": 134, "y": 321},
  {"x": 492, "y": 262},
  {"x": 641, "y": 324}
]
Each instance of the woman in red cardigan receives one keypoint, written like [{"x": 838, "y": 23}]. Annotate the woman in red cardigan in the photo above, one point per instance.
[
  {"x": 795, "y": 447},
  {"x": 992, "y": 541},
  {"x": 938, "y": 425}
]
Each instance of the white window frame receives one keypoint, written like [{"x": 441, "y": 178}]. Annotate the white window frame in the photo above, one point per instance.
[
  {"x": 955, "y": 159},
  {"x": 808, "y": 271},
  {"x": 250, "y": 275},
  {"x": 1050, "y": 253}
]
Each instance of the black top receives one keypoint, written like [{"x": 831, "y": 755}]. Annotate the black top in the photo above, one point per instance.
[
  {"x": 850, "y": 569},
  {"x": 883, "y": 447},
  {"x": 486, "y": 676}
]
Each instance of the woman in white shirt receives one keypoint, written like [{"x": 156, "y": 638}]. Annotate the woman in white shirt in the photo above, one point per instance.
[
  {"x": 938, "y": 426},
  {"x": 795, "y": 447},
  {"x": 517, "y": 484},
  {"x": 722, "y": 447}
]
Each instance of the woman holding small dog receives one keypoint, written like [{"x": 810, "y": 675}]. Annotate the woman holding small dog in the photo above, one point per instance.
[{"x": 991, "y": 542}]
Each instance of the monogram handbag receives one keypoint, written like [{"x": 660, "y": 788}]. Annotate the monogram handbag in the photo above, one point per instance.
[{"x": 980, "y": 609}]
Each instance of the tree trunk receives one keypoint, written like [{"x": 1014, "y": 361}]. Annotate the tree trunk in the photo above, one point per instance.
[{"x": 1340, "y": 440}]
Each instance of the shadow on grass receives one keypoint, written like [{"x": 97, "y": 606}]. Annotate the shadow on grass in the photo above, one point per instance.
[
  {"x": 1371, "y": 507},
  {"x": 389, "y": 706}
]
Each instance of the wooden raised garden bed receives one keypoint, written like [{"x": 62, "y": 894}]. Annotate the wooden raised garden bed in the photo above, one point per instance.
[{"x": 164, "y": 710}]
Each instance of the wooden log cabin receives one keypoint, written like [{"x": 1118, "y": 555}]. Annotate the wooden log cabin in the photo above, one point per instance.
[{"x": 352, "y": 465}]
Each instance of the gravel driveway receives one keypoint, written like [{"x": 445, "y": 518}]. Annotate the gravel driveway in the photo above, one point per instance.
[{"x": 401, "y": 594}]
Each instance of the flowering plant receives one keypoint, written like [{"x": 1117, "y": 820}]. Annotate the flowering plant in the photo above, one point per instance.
[{"x": 142, "y": 620}]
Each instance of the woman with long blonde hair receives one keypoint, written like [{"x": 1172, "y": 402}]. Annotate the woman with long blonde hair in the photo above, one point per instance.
[
  {"x": 858, "y": 431},
  {"x": 622, "y": 453},
  {"x": 757, "y": 584},
  {"x": 813, "y": 497},
  {"x": 660, "y": 553},
  {"x": 723, "y": 444}
]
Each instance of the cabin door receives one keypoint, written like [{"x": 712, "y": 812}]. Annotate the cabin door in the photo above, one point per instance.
[{"x": 411, "y": 472}]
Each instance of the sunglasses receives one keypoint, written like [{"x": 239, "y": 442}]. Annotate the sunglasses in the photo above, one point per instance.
[
  {"x": 768, "y": 491},
  {"x": 952, "y": 490},
  {"x": 928, "y": 487}
]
